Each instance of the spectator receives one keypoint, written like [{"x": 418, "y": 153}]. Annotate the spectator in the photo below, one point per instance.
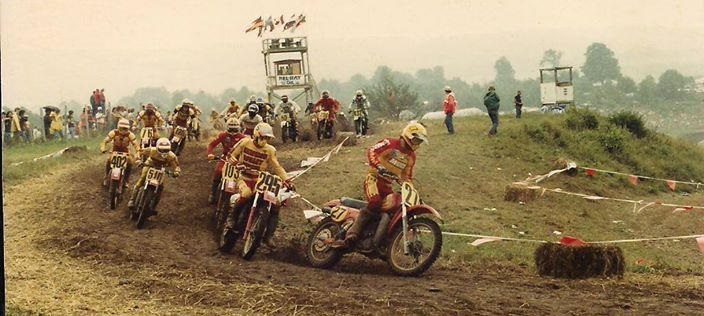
[
  {"x": 84, "y": 121},
  {"x": 24, "y": 132},
  {"x": 519, "y": 103},
  {"x": 100, "y": 119},
  {"x": 57, "y": 125},
  {"x": 130, "y": 116},
  {"x": 36, "y": 134},
  {"x": 71, "y": 124},
  {"x": 16, "y": 128},
  {"x": 6, "y": 127},
  {"x": 47, "y": 123},
  {"x": 101, "y": 97},
  {"x": 491, "y": 101},
  {"x": 95, "y": 102},
  {"x": 449, "y": 106}
]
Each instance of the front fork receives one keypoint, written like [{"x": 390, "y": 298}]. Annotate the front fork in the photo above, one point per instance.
[
  {"x": 248, "y": 229},
  {"x": 404, "y": 220}
]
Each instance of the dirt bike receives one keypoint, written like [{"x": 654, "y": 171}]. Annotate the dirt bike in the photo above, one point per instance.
[
  {"x": 118, "y": 165},
  {"x": 251, "y": 222},
  {"x": 178, "y": 140},
  {"x": 360, "y": 121},
  {"x": 324, "y": 128},
  {"x": 408, "y": 241},
  {"x": 228, "y": 187},
  {"x": 194, "y": 129},
  {"x": 149, "y": 195},
  {"x": 288, "y": 127}
]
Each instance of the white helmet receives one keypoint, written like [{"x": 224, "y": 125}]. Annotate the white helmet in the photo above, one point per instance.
[
  {"x": 252, "y": 98},
  {"x": 163, "y": 146},
  {"x": 233, "y": 124},
  {"x": 359, "y": 93},
  {"x": 263, "y": 130},
  {"x": 260, "y": 100},
  {"x": 232, "y": 101},
  {"x": 448, "y": 89},
  {"x": 325, "y": 93},
  {"x": 253, "y": 108},
  {"x": 186, "y": 101},
  {"x": 123, "y": 125}
]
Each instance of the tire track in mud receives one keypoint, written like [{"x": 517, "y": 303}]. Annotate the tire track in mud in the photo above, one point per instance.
[{"x": 173, "y": 264}]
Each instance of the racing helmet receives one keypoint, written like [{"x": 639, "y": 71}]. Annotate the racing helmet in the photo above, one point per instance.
[
  {"x": 260, "y": 100},
  {"x": 163, "y": 146},
  {"x": 252, "y": 108},
  {"x": 150, "y": 107},
  {"x": 414, "y": 134},
  {"x": 233, "y": 125},
  {"x": 123, "y": 125},
  {"x": 359, "y": 93},
  {"x": 325, "y": 94},
  {"x": 263, "y": 130}
]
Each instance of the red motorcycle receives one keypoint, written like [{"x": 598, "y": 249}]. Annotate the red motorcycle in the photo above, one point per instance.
[{"x": 406, "y": 237}]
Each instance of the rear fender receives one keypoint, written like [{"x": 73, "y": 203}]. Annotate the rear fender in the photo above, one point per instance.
[{"x": 411, "y": 212}]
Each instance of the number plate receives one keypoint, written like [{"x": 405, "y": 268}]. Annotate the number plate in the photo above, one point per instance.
[
  {"x": 180, "y": 132},
  {"x": 229, "y": 172},
  {"x": 155, "y": 176},
  {"x": 268, "y": 182},
  {"x": 146, "y": 134},
  {"x": 118, "y": 160},
  {"x": 409, "y": 195},
  {"x": 323, "y": 115},
  {"x": 284, "y": 117},
  {"x": 338, "y": 214}
]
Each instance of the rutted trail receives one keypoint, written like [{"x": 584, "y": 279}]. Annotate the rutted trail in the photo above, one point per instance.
[{"x": 67, "y": 253}]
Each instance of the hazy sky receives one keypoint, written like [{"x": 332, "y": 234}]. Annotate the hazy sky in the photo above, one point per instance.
[{"x": 62, "y": 50}]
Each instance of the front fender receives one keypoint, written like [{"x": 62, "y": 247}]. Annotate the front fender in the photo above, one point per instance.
[{"x": 410, "y": 212}]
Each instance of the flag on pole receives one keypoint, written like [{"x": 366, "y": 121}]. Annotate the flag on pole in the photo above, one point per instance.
[
  {"x": 671, "y": 184},
  {"x": 571, "y": 241},
  {"x": 589, "y": 172}
]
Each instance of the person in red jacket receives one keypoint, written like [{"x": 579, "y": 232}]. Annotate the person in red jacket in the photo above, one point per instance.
[
  {"x": 388, "y": 159},
  {"x": 227, "y": 140},
  {"x": 449, "y": 107},
  {"x": 326, "y": 103}
]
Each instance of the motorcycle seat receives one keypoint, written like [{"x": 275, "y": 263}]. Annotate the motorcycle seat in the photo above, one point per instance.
[{"x": 353, "y": 203}]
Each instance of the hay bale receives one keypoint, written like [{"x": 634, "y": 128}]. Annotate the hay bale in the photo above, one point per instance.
[
  {"x": 351, "y": 139},
  {"x": 521, "y": 192},
  {"x": 562, "y": 163},
  {"x": 581, "y": 262}
]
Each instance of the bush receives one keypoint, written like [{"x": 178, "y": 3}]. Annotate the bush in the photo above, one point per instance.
[
  {"x": 581, "y": 119},
  {"x": 612, "y": 140},
  {"x": 631, "y": 121}
]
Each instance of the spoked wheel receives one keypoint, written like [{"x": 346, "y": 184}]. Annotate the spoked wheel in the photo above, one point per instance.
[
  {"x": 318, "y": 253},
  {"x": 134, "y": 213},
  {"x": 221, "y": 210},
  {"x": 254, "y": 238},
  {"x": 425, "y": 240}
]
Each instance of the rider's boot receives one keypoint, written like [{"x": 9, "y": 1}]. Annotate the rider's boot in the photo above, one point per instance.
[
  {"x": 133, "y": 196},
  {"x": 270, "y": 229},
  {"x": 232, "y": 216},
  {"x": 353, "y": 232},
  {"x": 213, "y": 192}
]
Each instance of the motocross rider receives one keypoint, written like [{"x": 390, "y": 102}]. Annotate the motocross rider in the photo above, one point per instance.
[
  {"x": 326, "y": 103},
  {"x": 149, "y": 117},
  {"x": 360, "y": 102},
  {"x": 250, "y": 119},
  {"x": 288, "y": 107},
  {"x": 181, "y": 115},
  {"x": 256, "y": 154},
  {"x": 121, "y": 139},
  {"x": 157, "y": 157},
  {"x": 227, "y": 140},
  {"x": 389, "y": 158},
  {"x": 232, "y": 110},
  {"x": 264, "y": 109}
]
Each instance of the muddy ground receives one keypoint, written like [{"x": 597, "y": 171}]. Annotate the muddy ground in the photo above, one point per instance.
[{"x": 67, "y": 253}]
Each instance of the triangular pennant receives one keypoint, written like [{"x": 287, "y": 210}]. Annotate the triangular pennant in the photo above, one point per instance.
[
  {"x": 589, "y": 172},
  {"x": 481, "y": 241},
  {"x": 683, "y": 209},
  {"x": 633, "y": 179},
  {"x": 700, "y": 242},
  {"x": 571, "y": 242},
  {"x": 671, "y": 184}
]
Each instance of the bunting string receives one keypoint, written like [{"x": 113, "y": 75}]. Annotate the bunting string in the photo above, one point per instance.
[{"x": 590, "y": 172}]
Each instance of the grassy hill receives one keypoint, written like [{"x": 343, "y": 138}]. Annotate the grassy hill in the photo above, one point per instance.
[{"x": 464, "y": 176}]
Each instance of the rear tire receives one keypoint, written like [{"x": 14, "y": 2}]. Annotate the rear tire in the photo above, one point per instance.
[
  {"x": 395, "y": 247},
  {"x": 319, "y": 255}
]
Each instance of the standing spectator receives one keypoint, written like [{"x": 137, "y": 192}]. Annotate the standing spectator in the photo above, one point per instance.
[
  {"x": 519, "y": 103},
  {"x": 24, "y": 132},
  {"x": 95, "y": 102},
  {"x": 84, "y": 121},
  {"x": 491, "y": 101},
  {"x": 16, "y": 128},
  {"x": 57, "y": 126},
  {"x": 101, "y": 97},
  {"x": 100, "y": 119},
  {"x": 71, "y": 124},
  {"x": 6, "y": 127},
  {"x": 130, "y": 116},
  {"x": 449, "y": 106},
  {"x": 47, "y": 123}
]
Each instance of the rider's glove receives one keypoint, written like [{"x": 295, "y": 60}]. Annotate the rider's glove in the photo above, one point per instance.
[
  {"x": 137, "y": 162},
  {"x": 211, "y": 156},
  {"x": 289, "y": 185}
]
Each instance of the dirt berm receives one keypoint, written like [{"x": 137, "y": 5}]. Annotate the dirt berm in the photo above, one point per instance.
[{"x": 67, "y": 253}]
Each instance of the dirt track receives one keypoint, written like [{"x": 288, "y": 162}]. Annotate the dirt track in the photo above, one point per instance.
[{"x": 67, "y": 253}]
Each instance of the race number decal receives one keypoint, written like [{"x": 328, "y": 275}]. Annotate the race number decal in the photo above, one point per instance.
[
  {"x": 409, "y": 195},
  {"x": 229, "y": 171},
  {"x": 118, "y": 160},
  {"x": 322, "y": 115},
  {"x": 284, "y": 117},
  {"x": 338, "y": 214},
  {"x": 155, "y": 175},
  {"x": 147, "y": 133},
  {"x": 180, "y": 132},
  {"x": 268, "y": 182}
]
